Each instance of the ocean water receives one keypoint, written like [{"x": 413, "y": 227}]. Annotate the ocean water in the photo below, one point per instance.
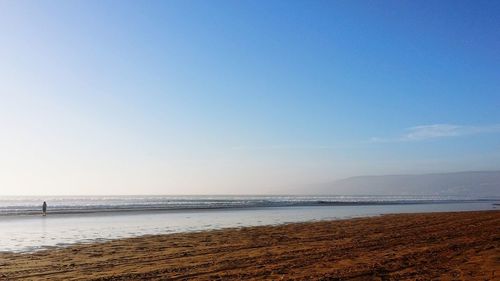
[{"x": 88, "y": 219}]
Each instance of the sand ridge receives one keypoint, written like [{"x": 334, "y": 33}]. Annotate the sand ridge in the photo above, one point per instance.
[{"x": 432, "y": 246}]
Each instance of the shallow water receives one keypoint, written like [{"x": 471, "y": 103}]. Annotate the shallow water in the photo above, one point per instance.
[{"x": 28, "y": 233}]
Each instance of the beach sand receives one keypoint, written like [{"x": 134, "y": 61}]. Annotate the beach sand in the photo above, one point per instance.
[{"x": 432, "y": 246}]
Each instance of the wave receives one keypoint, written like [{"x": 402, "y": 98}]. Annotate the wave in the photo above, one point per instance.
[{"x": 15, "y": 206}]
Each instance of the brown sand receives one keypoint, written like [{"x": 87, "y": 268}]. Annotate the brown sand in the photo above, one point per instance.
[{"x": 437, "y": 246}]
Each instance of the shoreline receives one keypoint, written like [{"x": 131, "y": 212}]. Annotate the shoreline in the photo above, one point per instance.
[
  {"x": 387, "y": 247},
  {"x": 320, "y": 203},
  {"x": 160, "y": 210}
]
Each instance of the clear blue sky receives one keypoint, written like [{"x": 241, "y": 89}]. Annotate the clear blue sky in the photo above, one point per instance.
[{"x": 169, "y": 97}]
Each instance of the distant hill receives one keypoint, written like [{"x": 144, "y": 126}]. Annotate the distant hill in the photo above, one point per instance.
[{"x": 476, "y": 184}]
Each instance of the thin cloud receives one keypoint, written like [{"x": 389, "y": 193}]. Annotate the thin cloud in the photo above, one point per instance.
[
  {"x": 283, "y": 147},
  {"x": 435, "y": 131}
]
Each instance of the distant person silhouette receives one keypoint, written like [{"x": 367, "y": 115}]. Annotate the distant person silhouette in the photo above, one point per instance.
[{"x": 44, "y": 208}]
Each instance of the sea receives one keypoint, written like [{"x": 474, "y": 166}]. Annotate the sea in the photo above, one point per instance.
[{"x": 90, "y": 219}]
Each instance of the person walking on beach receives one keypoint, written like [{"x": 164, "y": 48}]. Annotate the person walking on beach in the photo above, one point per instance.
[{"x": 44, "y": 208}]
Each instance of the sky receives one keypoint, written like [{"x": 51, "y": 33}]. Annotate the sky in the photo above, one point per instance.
[{"x": 243, "y": 97}]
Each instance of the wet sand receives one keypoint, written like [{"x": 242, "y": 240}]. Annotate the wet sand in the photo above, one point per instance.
[{"x": 432, "y": 246}]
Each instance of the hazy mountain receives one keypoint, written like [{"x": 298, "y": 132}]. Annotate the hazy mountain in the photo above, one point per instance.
[{"x": 478, "y": 183}]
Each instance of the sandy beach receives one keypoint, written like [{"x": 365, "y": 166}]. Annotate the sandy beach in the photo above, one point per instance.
[{"x": 432, "y": 246}]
